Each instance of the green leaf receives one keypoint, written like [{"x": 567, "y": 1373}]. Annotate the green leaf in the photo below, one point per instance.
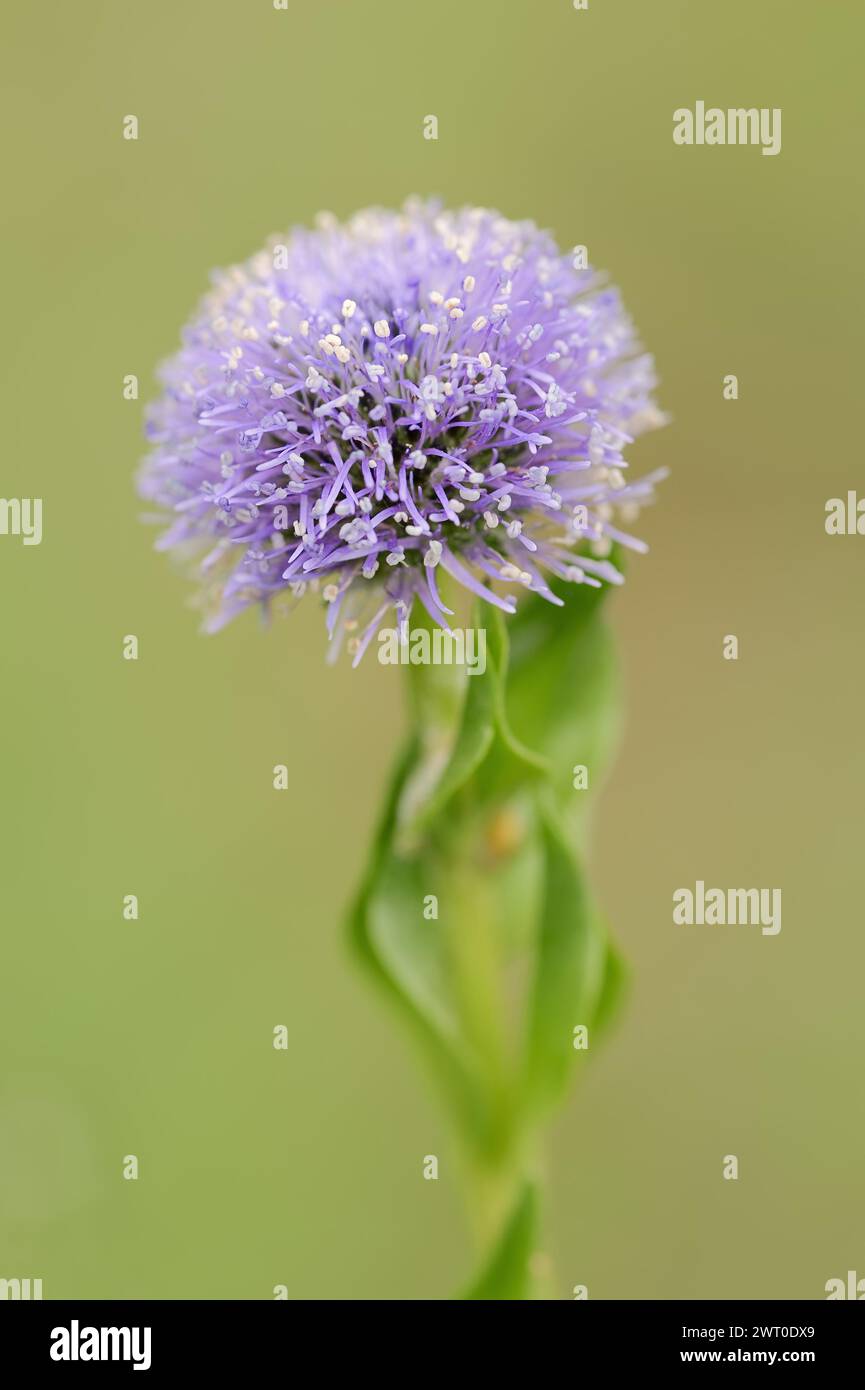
[
  {"x": 404, "y": 953},
  {"x": 474, "y": 737},
  {"x": 481, "y": 740},
  {"x": 506, "y": 1273},
  {"x": 512, "y": 764},
  {"x": 571, "y": 956},
  {"x": 613, "y": 988},
  {"x": 562, "y": 687}
]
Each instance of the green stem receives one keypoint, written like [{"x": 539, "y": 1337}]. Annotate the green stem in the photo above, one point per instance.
[
  {"x": 474, "y": 948},
  {"x": 497, "y": 1174},
  {"x": 475, "y": 913},
  {"x": 493, "y": 1186}
]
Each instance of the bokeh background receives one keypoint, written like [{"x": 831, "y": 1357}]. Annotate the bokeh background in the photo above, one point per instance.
[{"x": 304, "y": 1168}]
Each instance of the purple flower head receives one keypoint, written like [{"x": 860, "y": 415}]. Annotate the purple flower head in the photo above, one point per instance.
[{"x": 366, "y": 405}]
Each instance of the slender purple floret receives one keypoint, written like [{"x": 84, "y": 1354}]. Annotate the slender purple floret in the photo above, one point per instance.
[{"x": 365, "y": 406}]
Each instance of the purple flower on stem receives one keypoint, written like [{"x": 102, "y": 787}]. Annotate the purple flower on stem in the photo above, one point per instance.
[{"x": 370, "y": 402}]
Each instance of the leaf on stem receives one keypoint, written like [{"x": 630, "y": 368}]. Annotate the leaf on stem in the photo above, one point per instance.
[
  {"x": 506, "y": 1273},
  {"x": 571, "y": 956}
]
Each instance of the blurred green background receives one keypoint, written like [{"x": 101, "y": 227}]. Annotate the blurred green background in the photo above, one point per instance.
[{"x": 303, "y": 1167}]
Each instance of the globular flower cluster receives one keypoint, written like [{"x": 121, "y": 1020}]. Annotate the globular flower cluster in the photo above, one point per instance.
[{"x": 366, "y": 405}]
